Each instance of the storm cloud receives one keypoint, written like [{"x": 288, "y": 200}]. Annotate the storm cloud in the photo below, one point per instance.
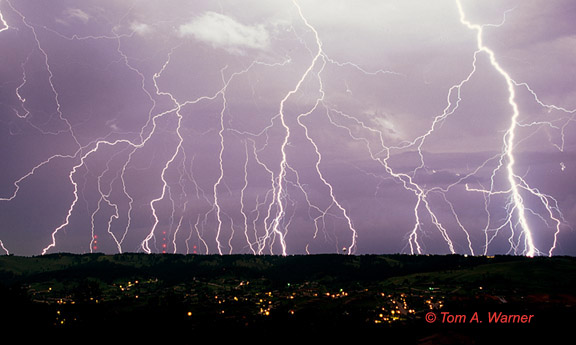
[{"x": 287, "y": 127}]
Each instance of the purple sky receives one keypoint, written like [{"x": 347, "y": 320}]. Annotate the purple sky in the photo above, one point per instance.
[{"x": 288, "y": 127}]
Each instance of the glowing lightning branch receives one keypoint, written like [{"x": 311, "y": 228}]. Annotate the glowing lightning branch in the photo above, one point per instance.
[
  {"x": 552, "y": 107},
  {"x": 50, "y": 76},
  {"x": 5, "y": 26},
  {"x": 75, "y": 191},
  {"x": 516, "y": 205},
  {"x": 515, "y": 182},
  {"x": 279, "y": 190},
  {"x": 352, "y": 246},
  {"x": 220, "y": 164},
  {"x": 279, "y": 185},
  {"x": 408, "y": 180},
  {"x": 145, "y": 242}
]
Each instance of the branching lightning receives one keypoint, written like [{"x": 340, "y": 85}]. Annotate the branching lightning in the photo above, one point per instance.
[
  {"x": 510, "y": 135},
  {"x": 227, "y": 167},
  {"x": 516, "y": 182}
]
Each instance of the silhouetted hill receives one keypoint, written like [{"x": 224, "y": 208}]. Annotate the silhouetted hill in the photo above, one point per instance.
[
  {"x": 396, "y": 269},
  {"x": 389, "y": 295}
]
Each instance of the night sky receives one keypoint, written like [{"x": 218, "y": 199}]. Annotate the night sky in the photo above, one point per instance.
[{"x": 288, "y": 127}]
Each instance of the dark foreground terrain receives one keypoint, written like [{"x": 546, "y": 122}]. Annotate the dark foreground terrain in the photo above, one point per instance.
[{"x": 402, "y": 299}]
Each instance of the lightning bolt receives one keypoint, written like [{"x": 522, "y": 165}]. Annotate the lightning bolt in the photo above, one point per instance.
[
  {"x": 516, "y": 183},
  {"x": 50, "y": 75},
  {"x": 319, "y": 56},
  {"x": 279, "y": 185},
  {"x": 510, "y": 135}
]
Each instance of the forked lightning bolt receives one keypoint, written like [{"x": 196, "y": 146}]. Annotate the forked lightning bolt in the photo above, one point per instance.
[{"x": 517, "y": 208}]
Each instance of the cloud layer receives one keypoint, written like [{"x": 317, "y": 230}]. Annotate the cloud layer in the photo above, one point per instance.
[{"x": 224, "y": 32}]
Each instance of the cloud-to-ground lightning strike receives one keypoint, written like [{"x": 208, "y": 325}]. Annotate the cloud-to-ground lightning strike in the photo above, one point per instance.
[
  {"x": 284, "y": 129},
  {"x": 509, "y": 137},
  {"x": 516, "y": 183},
  {"x": 279, "y": 191}
]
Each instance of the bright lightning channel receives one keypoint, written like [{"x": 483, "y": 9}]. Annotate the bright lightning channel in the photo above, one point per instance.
[
  {"x": 516, "y": 182},
  {"x": 319, "y": 56},
  {"x": 5, "y": 25}
]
